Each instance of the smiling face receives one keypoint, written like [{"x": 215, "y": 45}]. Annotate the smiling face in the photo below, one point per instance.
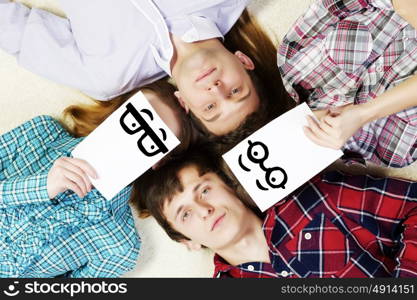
[
  {"x": 214, "y": 84},
  {"x": 206, "y": 211}
]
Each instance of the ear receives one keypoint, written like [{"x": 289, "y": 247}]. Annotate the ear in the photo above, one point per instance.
[
  {"x": 245, "y": 60},
  {"x": 181, "y": 101},
  {"x": 193, "y": 246}
]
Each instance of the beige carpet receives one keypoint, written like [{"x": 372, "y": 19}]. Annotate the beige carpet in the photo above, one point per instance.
[{"x": 24, "y": 95}]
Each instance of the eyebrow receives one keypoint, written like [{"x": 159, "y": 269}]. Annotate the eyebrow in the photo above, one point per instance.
[
  {"x": 211, "y": 120},
  {"x": 181, "y": 206}
]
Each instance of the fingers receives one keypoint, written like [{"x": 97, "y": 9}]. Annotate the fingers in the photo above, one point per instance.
[
  {"x": 73, "y": 174},
  {"x": 83, "y": 184},
  {"x": 73, "y": 186},
  {"x": 321, "y": 129},
  {"x": 82, "y": 164},
  {"x": 323, "y": 133},
  {"x": 309, "y": 133}
]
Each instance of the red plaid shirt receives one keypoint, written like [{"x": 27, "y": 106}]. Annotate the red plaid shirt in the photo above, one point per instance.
[
  {"x": 338, "y": 225},
  {"x": 351, "y": 51}
]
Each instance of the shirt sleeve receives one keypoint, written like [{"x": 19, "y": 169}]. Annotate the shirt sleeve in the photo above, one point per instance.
[
  {"x": 315, "y": 57},
  {"x": 23, "y": 190},
  {"x": 110, "y": 267},
  {"x": 44, "y": 44},
  {"x": 18, "y": 187},
  {"x": 93, "y": 50}
]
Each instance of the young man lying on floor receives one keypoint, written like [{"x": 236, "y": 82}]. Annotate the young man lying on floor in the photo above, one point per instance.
[{"x": 335, "y": 225}]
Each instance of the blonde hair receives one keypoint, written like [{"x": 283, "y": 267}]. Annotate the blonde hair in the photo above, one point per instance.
[{"x": 82, "y": 119}]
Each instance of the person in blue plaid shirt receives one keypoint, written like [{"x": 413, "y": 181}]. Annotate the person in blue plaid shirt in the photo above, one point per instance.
[
  {"x": 335, "y": 225},
  {"x": 53, "y": 223}
]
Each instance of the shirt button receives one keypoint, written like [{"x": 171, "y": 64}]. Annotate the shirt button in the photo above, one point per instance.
[
  {"x": 251, "y": 268},
  {"x": 32, "y": 219},
  {"x": 8, "y": 240},
  {"x": 284, "y": 273},
  {"x": 379, "y": 68},
  {"x": 54, "y": 201},
  {"x": 307, "y": 236}
]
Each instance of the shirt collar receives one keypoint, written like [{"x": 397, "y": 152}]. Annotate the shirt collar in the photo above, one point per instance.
[
  {"x": 193, "y": 28},
  {"x": 220, "y": 266}
]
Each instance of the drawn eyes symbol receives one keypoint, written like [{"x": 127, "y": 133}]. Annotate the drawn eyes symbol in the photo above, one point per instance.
[
  {"x": 149, "y": 143},
  {"x": 276, "y": 177},
  {"x": 257, "y": 153}
]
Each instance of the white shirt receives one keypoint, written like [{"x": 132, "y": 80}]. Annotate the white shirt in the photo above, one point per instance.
[{"x": 108, "y": 47}]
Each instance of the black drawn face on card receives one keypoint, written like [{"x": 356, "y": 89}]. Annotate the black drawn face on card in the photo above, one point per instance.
[
  {"x": 150, "y": 142},
  {"x": 257, "y": 153}
]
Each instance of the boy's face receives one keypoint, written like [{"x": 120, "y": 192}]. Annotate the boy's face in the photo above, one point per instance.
[
  {"x": 215, "y": 86},
  {"x": 206, "y": 211}
]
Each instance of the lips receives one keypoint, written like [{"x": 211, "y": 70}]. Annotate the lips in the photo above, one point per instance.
[
  {"x": 205, "y": 74},
  {"x": 217, "y": 222}
]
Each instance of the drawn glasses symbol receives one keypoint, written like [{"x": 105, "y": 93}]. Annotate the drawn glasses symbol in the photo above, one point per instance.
[
  {"x": 276, "y": 177},
  {"x": 11, "y": 291},
  {"x": 257, "y": 153},
  {"x": 132, "y": 122}
]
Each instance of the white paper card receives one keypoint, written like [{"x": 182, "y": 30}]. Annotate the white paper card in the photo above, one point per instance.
[
  {"x": 130, "y": 141},
  {"x": 278, "y": 158}
]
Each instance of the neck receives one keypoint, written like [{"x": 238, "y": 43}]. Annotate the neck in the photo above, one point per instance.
[
  {"x": 251, "y": 247},
  {"x": 183, "y": 49}
]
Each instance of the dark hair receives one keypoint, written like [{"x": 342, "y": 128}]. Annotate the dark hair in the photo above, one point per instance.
[
  {"x": 249, "y": 37},
  {"x": 159, "y": 186}
]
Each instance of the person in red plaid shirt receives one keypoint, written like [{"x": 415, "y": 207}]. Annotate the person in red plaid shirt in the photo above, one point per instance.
[
  {"x": 345, "y": 53},
  {"x": 335, "y": 225}
]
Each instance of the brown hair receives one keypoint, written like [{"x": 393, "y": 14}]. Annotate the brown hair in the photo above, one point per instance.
[
  {"x": 159, "y": 186},
  {"x": 249, "y": 37}
]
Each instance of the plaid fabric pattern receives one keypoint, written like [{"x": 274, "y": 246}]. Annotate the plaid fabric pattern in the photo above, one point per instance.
[
  {"x": 68, "y": 236},
  {"x": 351, "y": 51},
  {"x": 339, "y": 226}
]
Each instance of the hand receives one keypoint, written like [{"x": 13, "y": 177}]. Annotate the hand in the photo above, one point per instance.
[
  {"x": 335, "y": 125},
  {"x": 70, "y": 174}
]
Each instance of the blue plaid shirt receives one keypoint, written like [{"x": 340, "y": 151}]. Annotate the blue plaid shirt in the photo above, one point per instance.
[{"x": 66, "y": 236}]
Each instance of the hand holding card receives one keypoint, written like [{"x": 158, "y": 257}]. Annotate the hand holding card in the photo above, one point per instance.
[{"x": 278, "y": 158}]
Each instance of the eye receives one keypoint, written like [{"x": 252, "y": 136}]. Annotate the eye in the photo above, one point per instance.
[
  {"x": 276, "y": 177},
  {"x": 234, "y": 91},
  {"x": 209, "y": 107},
  {"x": 257, "y": 152},
  {"x": 131, "y": 124},
  {"x": 185, "y": 215},
  {"x": 150, "y": 146},
  {"x": 204, "y": 192}
]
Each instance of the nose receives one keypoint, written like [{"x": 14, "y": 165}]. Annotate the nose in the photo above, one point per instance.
[
  {"x": 204, "y": 210},
  {"x": 218, "y": 88}
]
